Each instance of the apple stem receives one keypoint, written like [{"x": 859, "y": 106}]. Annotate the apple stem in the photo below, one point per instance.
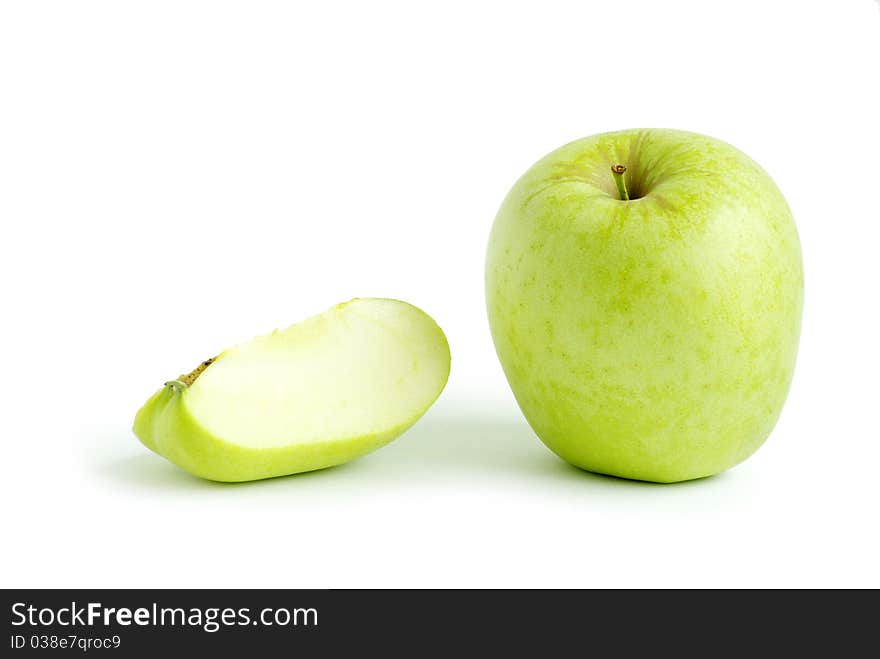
[
  {"x": 617, "y": 172},
  {"x": 185, "y": 381}
]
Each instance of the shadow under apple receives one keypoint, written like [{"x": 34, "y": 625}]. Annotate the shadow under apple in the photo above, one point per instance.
[{"x": 448, "y": 445}]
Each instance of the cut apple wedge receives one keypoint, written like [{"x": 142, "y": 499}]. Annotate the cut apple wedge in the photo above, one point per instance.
[{"x": 319, "y": 393}]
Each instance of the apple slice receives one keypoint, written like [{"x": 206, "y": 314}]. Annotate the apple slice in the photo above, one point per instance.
[{"x": 319, "y": 393}]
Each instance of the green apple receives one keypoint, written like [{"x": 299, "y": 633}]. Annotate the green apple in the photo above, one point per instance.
[
  {"x": 319, "y": 393},
  {"x": 644, "y": 292}
]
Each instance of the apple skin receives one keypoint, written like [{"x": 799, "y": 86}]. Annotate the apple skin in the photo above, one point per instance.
[
  {"x": 652, "y": 339},
  {"x": 165, "y": 425}
]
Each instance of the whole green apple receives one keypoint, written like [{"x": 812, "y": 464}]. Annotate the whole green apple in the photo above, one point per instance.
[{"x": 644, "y": 292}]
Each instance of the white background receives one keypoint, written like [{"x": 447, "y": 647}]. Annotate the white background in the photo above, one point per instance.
[{"x": 176, "y": 177}]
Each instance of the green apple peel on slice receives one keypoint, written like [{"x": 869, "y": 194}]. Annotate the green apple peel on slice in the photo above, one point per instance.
[{"x": 319, "y": 393}]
